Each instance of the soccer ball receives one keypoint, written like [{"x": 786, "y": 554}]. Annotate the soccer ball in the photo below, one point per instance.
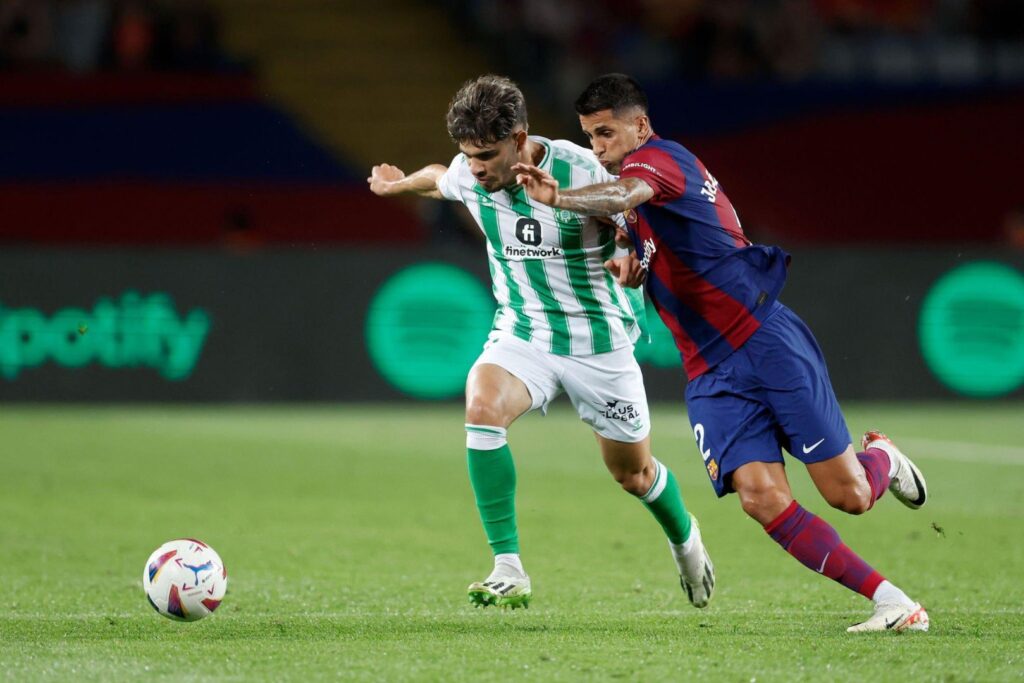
[{"x": 185, "y": 579}]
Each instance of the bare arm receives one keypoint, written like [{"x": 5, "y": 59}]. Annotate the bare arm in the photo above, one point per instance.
[
  {"x": 602, "y": 199},
  {"x": 387, "y": 180},
  {"x": 605, "y": 199}
]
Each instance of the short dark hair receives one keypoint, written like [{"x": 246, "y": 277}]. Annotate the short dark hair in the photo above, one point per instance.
[
  {"x": 485, "y": 110},
  {"x": 611, "y": 91}
]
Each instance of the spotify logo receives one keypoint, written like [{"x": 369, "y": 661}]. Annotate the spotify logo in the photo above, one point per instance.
[
  {"x": 972, "y": 329},
  {"x": 425, "y": 327}
]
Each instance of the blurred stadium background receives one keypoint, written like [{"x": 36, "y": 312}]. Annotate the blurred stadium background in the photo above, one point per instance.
[{"x": 184, "y": 215}]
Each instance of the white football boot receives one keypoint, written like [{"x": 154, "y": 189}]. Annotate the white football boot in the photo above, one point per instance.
[
  {"x": 505, "y": 587},
  {"x": 907, "y": 483},
  {"x": 696, "y": 572},
  {"x": 894, "y": 617}
]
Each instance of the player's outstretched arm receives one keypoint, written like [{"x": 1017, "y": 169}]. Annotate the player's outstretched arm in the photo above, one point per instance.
[
  {"x": 387, "y": 180},
  {"x": 602, "y": 199}
]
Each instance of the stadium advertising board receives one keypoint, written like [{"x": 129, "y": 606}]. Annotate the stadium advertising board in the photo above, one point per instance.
[{"x": 384, "y": 324}]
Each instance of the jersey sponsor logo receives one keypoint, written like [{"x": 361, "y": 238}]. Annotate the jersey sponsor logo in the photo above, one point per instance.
[
  {"x": 513, "y": 252},
  {"x": 640, "y": 164},
  {"x": 528, "y": 231},
  {"x": 710, "y": 189},
  {"x": 617, "y": 410},
  {"x": 649, "y": 251}
]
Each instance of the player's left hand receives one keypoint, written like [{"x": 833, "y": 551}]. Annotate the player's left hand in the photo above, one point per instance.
[
  {"x": 627, "y": 270},
  {"x": 383, "y": 178},
  {"x": 540, "y": 185}
]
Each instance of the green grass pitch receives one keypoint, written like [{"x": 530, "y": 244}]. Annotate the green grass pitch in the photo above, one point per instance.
[{"x": 350, "y": 535}]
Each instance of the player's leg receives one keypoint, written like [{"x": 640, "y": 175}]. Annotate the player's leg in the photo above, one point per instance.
[
  {"x": 639, "y": 473},
  {"x": 853, "y": 481},
  {"x": 904, "y": 478},
  {"x": 849, "y": 484},
  {"x": 765, "y": 495},
  {"x": 787, "y": 363},
  {"x": 505, "y": 382},
  {"x": 607, "y": 391}
]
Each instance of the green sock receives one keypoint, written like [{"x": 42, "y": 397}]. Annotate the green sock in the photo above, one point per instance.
[
  {"x": 665, "y": 502},
  {"x": 493, "y": 475}
]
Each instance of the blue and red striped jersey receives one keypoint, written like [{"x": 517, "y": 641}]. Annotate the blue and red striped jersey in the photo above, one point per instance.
[{"x": 708, "y": 282}]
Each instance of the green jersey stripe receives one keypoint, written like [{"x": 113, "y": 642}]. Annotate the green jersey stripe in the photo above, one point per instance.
[
  {"x": 546, "y": 266},
  {"x": 489, "y": 221},
  {"x": 570, "y": 232},
  {"x": 560, "y": 337}
]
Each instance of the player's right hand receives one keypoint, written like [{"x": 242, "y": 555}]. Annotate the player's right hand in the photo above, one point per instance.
[
  {"x": 540, "y": 185},
  {"x": 383, "y": 178},
  {"x": 627, "y": 270},
  {"x": 622, "y": 238}
]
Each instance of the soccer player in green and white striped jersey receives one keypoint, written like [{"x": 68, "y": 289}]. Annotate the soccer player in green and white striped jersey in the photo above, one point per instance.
[{"x": 563, "y": 324}]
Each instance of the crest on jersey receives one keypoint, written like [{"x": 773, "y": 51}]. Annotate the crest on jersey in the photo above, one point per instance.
[
  {"x": 630, "y": 216},
  {"x": 567, "y": 216},
  {"x": 528, "y": 231},
  {"x": 713, "y": 469}
]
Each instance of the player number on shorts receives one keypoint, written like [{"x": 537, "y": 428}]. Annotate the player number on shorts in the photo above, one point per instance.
[{"x": 698, "y": 434}]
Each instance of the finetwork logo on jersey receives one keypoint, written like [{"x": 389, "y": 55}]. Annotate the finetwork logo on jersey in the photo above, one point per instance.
[{"x": 528, "y": 232}]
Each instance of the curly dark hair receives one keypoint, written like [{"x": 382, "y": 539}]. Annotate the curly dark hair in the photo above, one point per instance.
[
  {"x": 611, "y": 91},
  {"x": 485, "y": 110}
]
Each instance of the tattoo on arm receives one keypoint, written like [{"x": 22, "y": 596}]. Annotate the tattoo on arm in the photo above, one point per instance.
[{"x": 606, "y": 199}]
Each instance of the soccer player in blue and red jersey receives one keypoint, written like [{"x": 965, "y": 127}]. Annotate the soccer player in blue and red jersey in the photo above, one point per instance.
[{"x": 757, "y": 378}]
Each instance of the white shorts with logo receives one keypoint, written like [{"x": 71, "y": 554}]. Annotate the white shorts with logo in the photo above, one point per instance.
[{"x": 607, "y": 389}]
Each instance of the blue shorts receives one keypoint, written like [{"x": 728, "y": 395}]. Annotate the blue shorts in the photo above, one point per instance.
[{"x": 771, "y": 393}]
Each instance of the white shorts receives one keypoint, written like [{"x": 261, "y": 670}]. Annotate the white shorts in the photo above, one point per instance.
[{"x": 607, "y": 389}]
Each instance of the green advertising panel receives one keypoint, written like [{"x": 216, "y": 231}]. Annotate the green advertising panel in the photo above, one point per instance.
[
  {"x": 972, "y": 329},
  {"x": 134, "y": 330},
  {"x": 427, "y": 324}
]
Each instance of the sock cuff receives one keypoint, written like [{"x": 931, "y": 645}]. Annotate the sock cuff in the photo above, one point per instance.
[
  {"x": 485, "y": 437},
  {"x": 660, "y": 480},
  {"x": 790, "y": 510},
  {"x": 871, "y": 584}
]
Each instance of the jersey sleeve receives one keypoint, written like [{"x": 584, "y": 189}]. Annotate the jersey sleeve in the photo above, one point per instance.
[
  {"x": 448, "y": 185},
  {"x": 659, "y": 170}
]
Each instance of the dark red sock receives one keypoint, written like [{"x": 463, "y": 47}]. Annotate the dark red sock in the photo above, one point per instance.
[
  {"x": 817, "y": 546},
  {"x": 876, "y": 465}
]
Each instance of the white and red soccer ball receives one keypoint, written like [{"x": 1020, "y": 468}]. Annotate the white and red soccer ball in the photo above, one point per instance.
[{"x": 185, "y": 579}]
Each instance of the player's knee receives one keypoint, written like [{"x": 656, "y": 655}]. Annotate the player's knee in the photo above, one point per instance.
[
  {"x": 481, "y": 411},
  {"x": 854, "y": 499},
  {"x": 764, "y": 503},
  {"x": 637, "y": 483}
]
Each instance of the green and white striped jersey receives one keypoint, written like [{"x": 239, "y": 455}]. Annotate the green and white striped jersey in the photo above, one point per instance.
[{"x": 547, "y": 264}]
